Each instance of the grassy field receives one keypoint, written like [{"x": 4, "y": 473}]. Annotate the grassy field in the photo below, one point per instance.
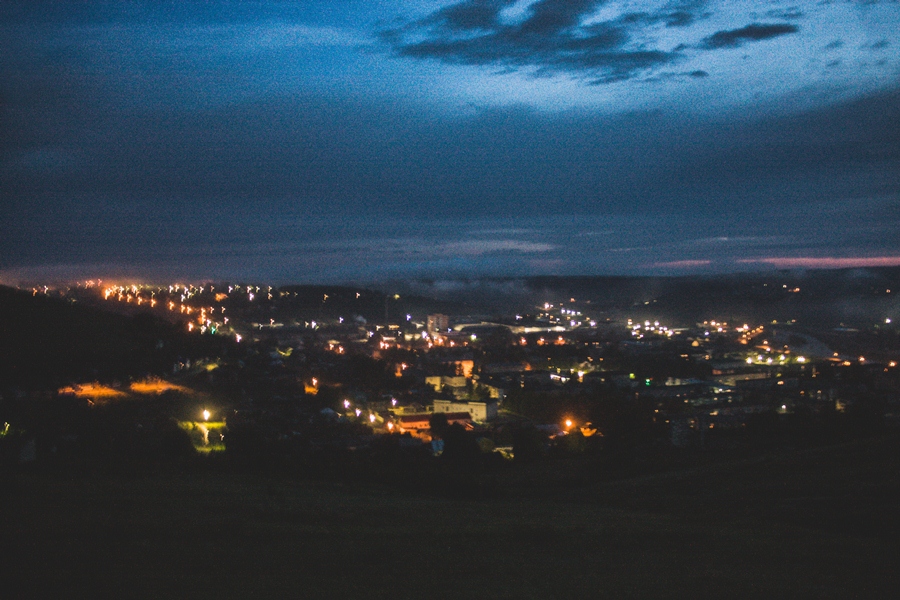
[{"x": 807, "y": 524}]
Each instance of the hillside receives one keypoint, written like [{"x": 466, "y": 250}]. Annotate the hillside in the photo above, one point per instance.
[
  {"x": 817, "y": 524},
  {"x": 46, "y": 342}
]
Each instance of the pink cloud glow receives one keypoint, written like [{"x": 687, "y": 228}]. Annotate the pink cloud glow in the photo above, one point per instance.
[
  {"x": 682, "y": 264},
  {"x": 828, "y": 263}
]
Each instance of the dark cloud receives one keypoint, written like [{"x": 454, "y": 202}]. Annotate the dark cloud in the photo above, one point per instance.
[
  {"x": 471, "y": 15},
  {"x": 679, "y": 18},
  {"x": 787, "y": 13},
  {"x": 879, "y": 45},
  {"x": 674, "y": 14},
  {"x": 550, "y": 39},
  {"x": 683, "y": 13},
  {"x": 552, "y": 17},
  {"x": 755, "y": 32}
]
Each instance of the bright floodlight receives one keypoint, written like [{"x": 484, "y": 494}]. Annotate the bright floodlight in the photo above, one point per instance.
[{"x": 206, "y": 415}]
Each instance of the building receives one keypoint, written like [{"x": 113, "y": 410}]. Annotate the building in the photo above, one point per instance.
[
  {"x": 478, "y": 411},
  {"x": 437, "y": 324},
  {"x": 458, "y": 386},
  {"x": 419, "y": 424}
]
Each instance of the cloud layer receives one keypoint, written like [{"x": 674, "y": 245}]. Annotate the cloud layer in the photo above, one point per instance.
[{"x": 565, "y": 36}]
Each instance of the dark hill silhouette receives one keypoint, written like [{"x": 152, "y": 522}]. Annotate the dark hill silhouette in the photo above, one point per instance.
[{"x": 46, "y": 342}]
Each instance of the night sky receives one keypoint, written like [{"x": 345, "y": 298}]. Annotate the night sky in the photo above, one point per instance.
[{"x": 352, "y": 140}]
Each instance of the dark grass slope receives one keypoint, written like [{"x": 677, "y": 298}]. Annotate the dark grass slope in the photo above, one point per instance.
[{"x": 806, "y": 524}]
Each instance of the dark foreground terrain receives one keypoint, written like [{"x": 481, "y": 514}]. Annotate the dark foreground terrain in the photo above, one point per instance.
[{"x": 814, "y": 523}]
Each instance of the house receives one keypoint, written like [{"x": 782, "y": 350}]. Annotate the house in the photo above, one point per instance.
[
  {"x": 422, "y": 422},
  {"x": 478, "y": 411}
]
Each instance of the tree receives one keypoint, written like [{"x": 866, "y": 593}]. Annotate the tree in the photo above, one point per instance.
[
  {"x": 480, "y": 393},
  {"x": 439, "y": 424},
  {"x": 528, "y": 444},
  {"x": 459, "y": 445}
]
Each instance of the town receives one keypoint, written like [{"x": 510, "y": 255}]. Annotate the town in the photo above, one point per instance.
[{"x": 271, "y": 373}]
